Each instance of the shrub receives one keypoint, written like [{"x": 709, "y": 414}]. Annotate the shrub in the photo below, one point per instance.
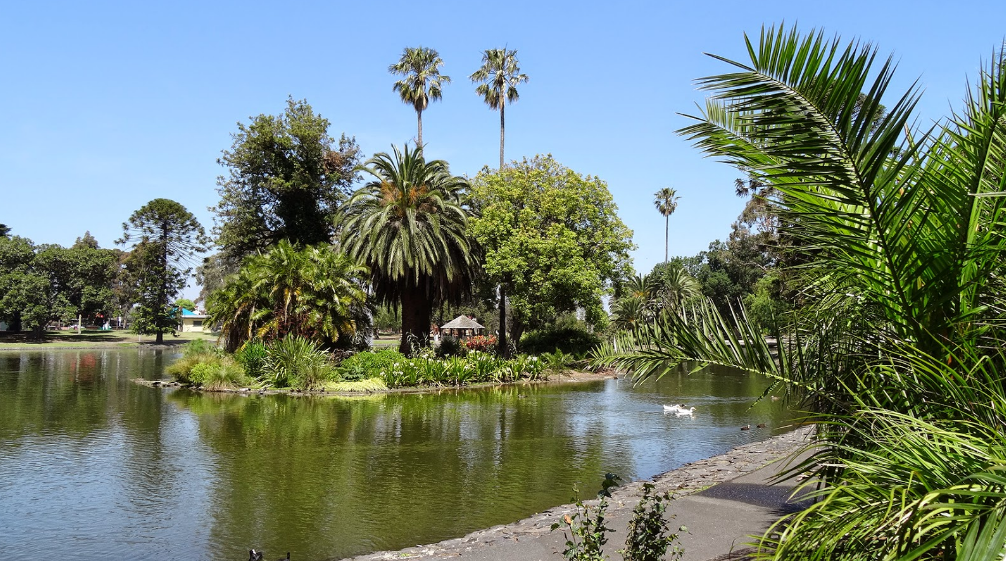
[
  {"x": 572, "y": 339},
  {"x": 648, "y": 539},
  {"x": 296, "y": 362},
  {"x": 587, "y": 535},
  {"x": 480, "y": 343},
  {"x": 365, "y": 365},
  {"x": 451, "y": 346},
  {"x": 252, "y": 356}
]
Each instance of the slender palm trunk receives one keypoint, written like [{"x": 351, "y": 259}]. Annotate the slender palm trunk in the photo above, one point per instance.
[
  {"x": 420, "y": 139},
  {"x": 502, "y": 348},
  {"x": 502, "y": 127},
  {"x": 667, "y": 221}
]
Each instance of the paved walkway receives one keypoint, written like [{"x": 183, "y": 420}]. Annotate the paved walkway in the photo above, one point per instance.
[{"x": 722, "y": 500}]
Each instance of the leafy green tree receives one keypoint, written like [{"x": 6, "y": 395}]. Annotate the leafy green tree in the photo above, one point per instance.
[
  {"x": 422, "y": 80},
  {"x": 44, "y": 283},
  {"x": 409, "y": 226},
  {"x": 499, "y": 76},
  {"x": 309, "y": 293},
  {"x": 666, "y": 201},
  {"x": 552, "y": 241},
  {"x": 167, "y": 237},
  {"x": 287, "y": 178},
  {"x": 4, "y": 230},
  {"x": 899, "y": 348}
]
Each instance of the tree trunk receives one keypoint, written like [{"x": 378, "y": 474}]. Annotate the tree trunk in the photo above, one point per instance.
[
  {"x": 502, "y": 127},
  {"x": 517, "y": 327},
  {"x": 416, "y": 313},
  {"x": 419, "y": 142},
  {"x": 667, "y": 221},
  {"x": 502, "y": 349}
]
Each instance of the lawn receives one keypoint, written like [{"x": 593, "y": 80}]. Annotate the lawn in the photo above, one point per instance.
[{"x": 92, "y": 338}]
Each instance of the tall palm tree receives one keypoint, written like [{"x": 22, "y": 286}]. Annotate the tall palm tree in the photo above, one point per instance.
[
  {"x": 666, "y": 201},
  {"x": 409, "y": 226},
  {"x": 422, "y": 82},
  {"x": 500, "y": 75}
]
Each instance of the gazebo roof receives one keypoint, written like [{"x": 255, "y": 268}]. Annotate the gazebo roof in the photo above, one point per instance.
[{"x": 462, "y": 322}]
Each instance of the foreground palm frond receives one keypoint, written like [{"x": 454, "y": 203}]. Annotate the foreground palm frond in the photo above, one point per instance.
[{"x": 898, "y": 350}]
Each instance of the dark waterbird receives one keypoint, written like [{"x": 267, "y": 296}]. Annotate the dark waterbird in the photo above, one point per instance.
[{"x": 257, "y": 555}]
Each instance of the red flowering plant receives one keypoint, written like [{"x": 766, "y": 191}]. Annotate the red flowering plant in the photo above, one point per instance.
[{"x": 480, "y": 343}]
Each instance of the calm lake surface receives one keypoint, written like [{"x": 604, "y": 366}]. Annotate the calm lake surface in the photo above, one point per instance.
[{"x": 94, "y": 466}]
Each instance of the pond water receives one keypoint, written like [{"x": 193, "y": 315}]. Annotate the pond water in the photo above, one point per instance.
[{"x": 94, "y": 466}]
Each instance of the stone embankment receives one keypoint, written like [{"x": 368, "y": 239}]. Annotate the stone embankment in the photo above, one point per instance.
[{"x": 532, "y": 538}]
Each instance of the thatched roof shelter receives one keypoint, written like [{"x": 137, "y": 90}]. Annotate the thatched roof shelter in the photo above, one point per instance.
[{"x": 461, "y": 326}]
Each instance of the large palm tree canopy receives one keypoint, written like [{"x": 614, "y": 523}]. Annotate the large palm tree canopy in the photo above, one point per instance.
[
  {"x": 409, "y": 226},
  {"x": 666, "y": 201},
  {"x": 500, "y": 74},
  {"x": 422, "y": 82},
  {"x": 408, "y": 222}
]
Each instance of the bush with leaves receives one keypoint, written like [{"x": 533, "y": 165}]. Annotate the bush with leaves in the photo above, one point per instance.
[
  {"x": 484, "y": 343},
  {"x": 648, "y": 538},
  {"x": 451, "y": 346},
  {"x": 587, "y": 530},
  {"x": 369, "y": 364},
  {"x": 252, "y": 356},
  {"x": 570, "y": 338},
  {"x": 296, "y": 362}
]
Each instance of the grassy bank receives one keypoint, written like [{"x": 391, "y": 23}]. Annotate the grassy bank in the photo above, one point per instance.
[{"x": 90, "y": 339}]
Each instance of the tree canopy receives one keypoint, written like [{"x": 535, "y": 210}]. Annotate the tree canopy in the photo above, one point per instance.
[
  {"x": 310, "y": 292},
  {"x": 551, "y": 237},
  {"x": 498, "y": 78},
  {"x": 287, "y": 177},
  {"x": 167, "y": 237},
  {"x": 422, "y": 81},
  {"x": 409, "y": 226},
  {"x": 44, "y": 283}
]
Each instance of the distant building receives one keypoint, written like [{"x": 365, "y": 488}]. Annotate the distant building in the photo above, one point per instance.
[{"x": 193, "y": 322}]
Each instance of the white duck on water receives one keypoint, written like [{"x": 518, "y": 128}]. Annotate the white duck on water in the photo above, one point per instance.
[{"x": 679, "y": 410}]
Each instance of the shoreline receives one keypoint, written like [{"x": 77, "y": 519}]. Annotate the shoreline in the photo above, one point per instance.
[
  {"x": 680, "y": 482},
  {"x": 568, "y": 377}
]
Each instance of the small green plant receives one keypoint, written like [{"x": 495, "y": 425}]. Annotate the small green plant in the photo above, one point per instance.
[
  {"x": 588, "y": 535},
  {"x": 451, "y": 346},
  {"x": 296, "y": 362},
  {"x": 364, "y": 365},
  {"x": 252, "y": 356},
  {"x": 648, "y": 538}
]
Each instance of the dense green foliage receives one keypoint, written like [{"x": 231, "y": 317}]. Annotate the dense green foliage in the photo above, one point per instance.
[
  {"x": 409, "y": 225},
  {"x": 44, "y": 283},
  {"x": 552, "y": 241},
  {"x": 422, "y": 82},
  {"x": 898, "y": 345},
  {"x": 569, "y": 337},
  {"x": 312, "y": 292},
  {"x": 165, "y": 239},
  {"x": 287, "y": 177}
]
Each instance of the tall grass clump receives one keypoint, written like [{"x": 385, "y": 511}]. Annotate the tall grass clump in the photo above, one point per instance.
[
  {"x": 898, "y": 350},
  {"x": 253, "y": 356},
  {"x": 296, "y": 362}
]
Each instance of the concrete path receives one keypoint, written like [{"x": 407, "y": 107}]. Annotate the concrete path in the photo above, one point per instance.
[{"x": 723, "y": 501}]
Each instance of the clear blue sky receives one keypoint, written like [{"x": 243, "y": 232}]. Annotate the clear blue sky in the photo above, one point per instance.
[{"x": 109, "y": 105}]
